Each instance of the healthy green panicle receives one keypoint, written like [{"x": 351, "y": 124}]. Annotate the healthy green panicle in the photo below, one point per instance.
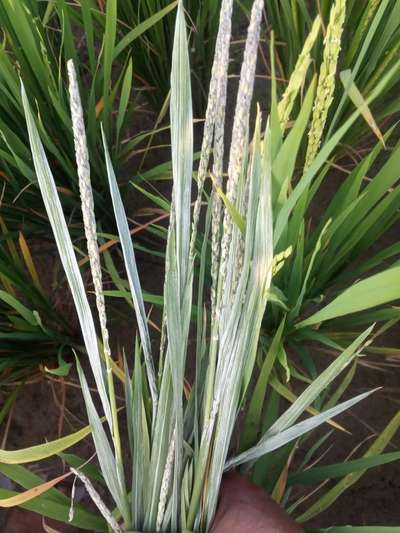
[{"x": 326, "y": 80}]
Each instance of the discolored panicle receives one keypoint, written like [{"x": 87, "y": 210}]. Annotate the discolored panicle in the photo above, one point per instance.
[
  {"x": 215, "y": 108},
  {"x": 87, "y": 202},
  {"x": 241, "y": 126}
]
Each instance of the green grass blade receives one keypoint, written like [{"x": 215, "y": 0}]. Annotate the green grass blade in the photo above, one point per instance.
[
  {"x": 373, "y": 291},
  {"x": 140, "y": 459},
  {"x": 301, "y": 428},
  {"x": 124, "y": 99},
  {"x": 254, "y": 411},
  {"x": 112, "y": 476},
  {"x": 133, "y": 276},
  {"x": 142, "y": 27},
  {"x": 333, "y": 494},
  {"x": 53, "y": 503},
  {"x": 43, "y": 451},
  {"x": 47, "y": 508},
  {"x": 321, "y": 473},
  {"x": 108, "y": 47}
]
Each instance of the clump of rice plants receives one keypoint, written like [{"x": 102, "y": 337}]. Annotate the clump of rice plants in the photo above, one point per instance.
[
  {"x": 180, "y": 431},
  {"x": 370, "y": 48},
  {"x": 323, "y": 289},
  {"x": 32, "y": 331},
  {"x": 39, "y": 38}
]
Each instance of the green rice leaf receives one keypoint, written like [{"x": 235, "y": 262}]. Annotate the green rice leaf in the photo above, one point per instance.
[
  {"x": 13, "y": 302},
  {"x": 131, "y": 269},
  {"x": 281, "y": 438},
  {"x": 124, "y": 99},
  {"x": 108, "y": 47},
  {"x": 142, "y": 27},
  {"x": 370, "y": 292},
  {"x": 53, "y": 503},
  {"x": 254, "y": 411},
  {"x": 45, "y": 507},
  {"x": 321, "y": 473},
  {"x": 331, "y": 496}
]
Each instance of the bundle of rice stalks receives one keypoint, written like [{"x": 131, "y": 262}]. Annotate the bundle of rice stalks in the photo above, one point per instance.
[{"x": 180, "y": 429}]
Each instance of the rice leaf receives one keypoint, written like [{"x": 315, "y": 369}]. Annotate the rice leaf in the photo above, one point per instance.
[
  {"x": 254, "y": 411},
  {"x": 370, "y": 292},
  {"x": 60, "y": 511},
  {"x": 133, "y": 276},
  {"x": 124, "y": 99},
  {"x": 30, "y": 494},
  {"x": 310, "y": 394},
  {"x": 139, "y": 463},
  {"x": 108, "y": 46},
  {"x": 321, "y": 473},
  {"x": 377, "y": 447},
  {"x": 297, "y": 430},
  {"x": 359, "y": 101},
  {"x": 107, "y": 460},
  {"x": 142, "y": 27},
  {"x": 179, "y": 265}
]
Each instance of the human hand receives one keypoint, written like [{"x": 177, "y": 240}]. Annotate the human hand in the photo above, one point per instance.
[{"x": 246, "y": 508}]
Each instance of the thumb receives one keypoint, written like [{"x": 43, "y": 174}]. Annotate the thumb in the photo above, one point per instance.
[{"x": 245, "y": 508}]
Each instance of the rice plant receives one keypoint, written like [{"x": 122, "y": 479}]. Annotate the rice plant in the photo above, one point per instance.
[
  {"x": 179, "y": 428},
  {"x": 330, "y": 281},
  {"x": 324, "y": 257}
]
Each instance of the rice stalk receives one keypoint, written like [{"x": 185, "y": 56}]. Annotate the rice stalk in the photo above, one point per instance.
[{"x": 326, "y": 80}]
